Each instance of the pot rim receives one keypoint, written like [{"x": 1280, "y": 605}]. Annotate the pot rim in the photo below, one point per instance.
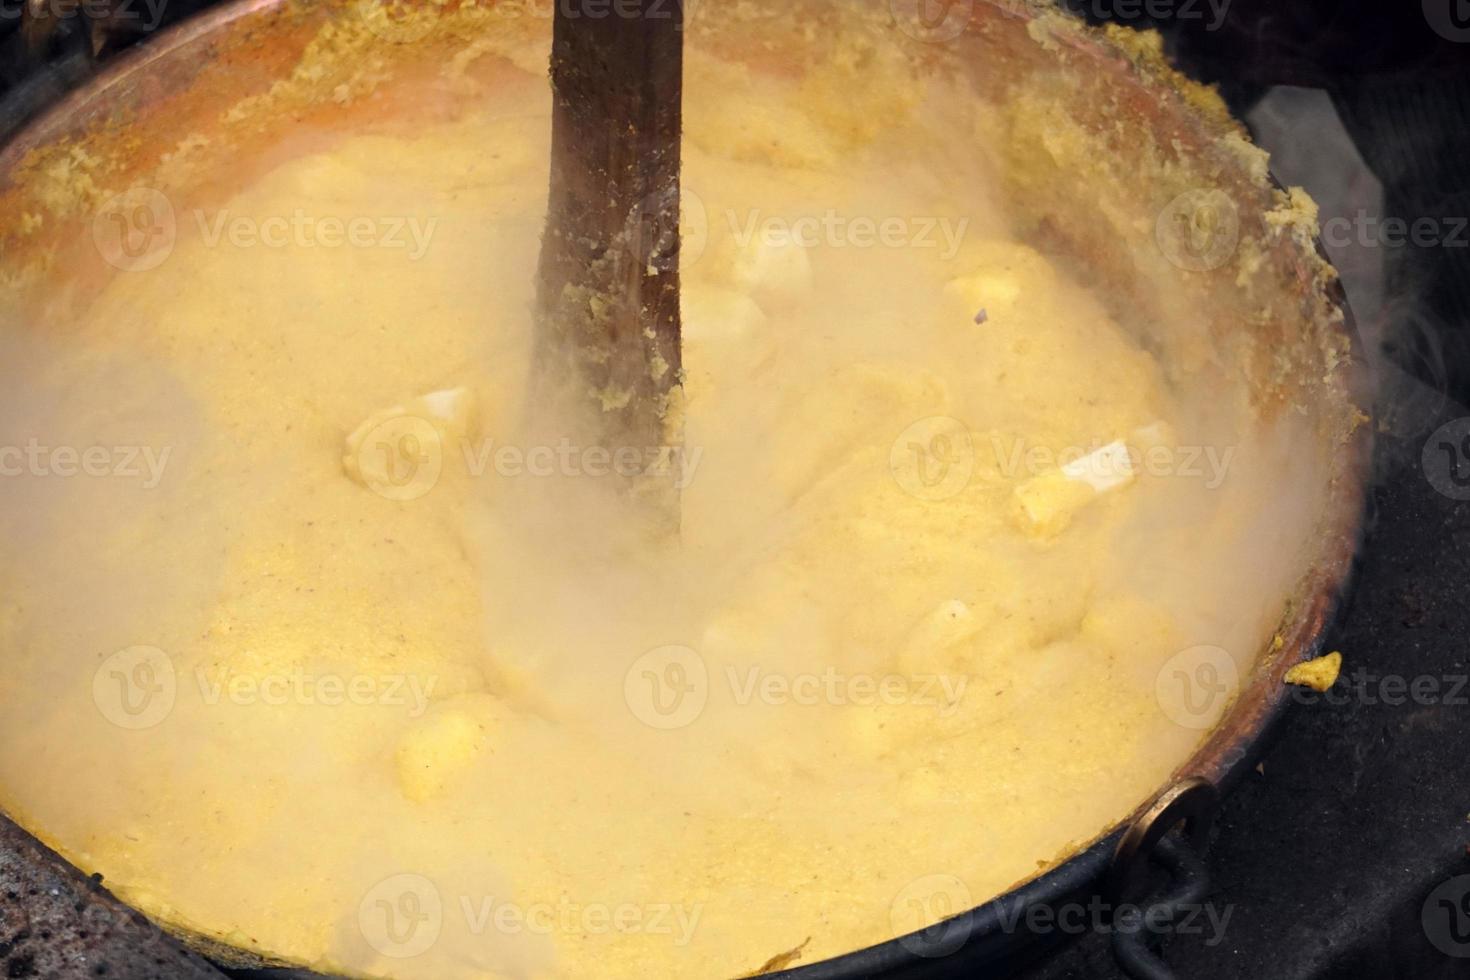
[{"x": 1221, "y": 758}]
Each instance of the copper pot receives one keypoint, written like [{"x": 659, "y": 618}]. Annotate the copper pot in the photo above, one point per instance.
[{"x": 1298, "y": 352}]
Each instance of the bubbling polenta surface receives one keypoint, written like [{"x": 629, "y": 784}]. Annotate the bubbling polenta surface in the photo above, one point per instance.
[{"x": 366, "y": 677}]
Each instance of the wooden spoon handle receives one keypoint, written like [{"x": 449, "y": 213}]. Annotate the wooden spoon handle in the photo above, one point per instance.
[{"x": 609, "y": 291}]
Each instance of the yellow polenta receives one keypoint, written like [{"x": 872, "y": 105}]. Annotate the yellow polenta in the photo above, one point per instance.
[{"x": 367, "y": 678}]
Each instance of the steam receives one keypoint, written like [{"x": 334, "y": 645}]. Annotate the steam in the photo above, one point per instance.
[
  {"x": 1310, "y": 147},
  {"x": 843, "y": 639}
]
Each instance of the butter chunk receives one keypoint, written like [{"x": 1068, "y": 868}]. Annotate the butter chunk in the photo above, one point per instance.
[
  {"x": 990, "y": 291},
  {"x": 451, "y": 407},
  {"x": 773, "y": 266},
  {"x": 440, "y": 748},
  {"x": 1046, "y": 504},
  {"x": 1105, "y": 469},
  {"x": 427, "y": 420},
  {"x": 1006, "y": 278}
]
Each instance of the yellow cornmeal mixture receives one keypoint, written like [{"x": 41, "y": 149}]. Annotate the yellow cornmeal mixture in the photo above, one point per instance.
[{"x": 425, "y": 713}]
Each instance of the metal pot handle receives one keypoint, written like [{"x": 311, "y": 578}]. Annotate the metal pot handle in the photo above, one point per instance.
[{"x": 1189, "y": 805}]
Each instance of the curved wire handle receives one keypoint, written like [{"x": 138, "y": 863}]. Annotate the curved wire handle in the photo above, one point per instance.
[
  {"x": 1133, "y": 925},
  {"x": 1173, "y": 832}
]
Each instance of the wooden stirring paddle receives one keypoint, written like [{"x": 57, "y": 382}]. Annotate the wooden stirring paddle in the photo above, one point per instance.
[{"x": 608, "y": 339}]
